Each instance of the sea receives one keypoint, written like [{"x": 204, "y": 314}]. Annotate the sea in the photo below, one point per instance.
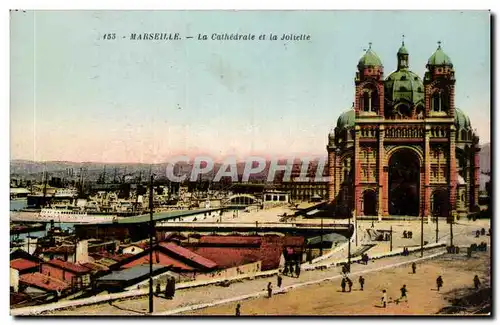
[{"x": 21, "y": 204}]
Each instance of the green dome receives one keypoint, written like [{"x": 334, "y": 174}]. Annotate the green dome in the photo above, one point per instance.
[
  {"x": 369, "y": 59},
  {"x": 346, "y": 120},
  {"x": 462, "y": 121},
  {"x": 403, "y": 50},
  {"x": 439, "y": 58},
  {"x": 404, "y": 85}
]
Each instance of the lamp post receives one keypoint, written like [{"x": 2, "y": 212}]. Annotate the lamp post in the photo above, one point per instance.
[
  {"x": 422, "y": 236},
  {"x": 391, "y": 239},
  {"x": 451, "y": 230},
  {"x": 437, "y": 228},
  {"x": 321, "y": 242},
  {"x": 349, "y": 245},
  {"x": 151, "y": 231}
]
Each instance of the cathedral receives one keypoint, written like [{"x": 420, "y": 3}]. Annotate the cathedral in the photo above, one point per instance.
[{"x": 404, "y": 148}]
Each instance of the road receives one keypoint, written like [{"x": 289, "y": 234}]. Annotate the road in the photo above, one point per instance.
[{"x": 327, "y": 298}]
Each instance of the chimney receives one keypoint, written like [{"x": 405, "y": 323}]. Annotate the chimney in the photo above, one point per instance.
[{"x": 82, "y": 251}]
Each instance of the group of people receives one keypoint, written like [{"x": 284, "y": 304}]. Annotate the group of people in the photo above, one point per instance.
[
  {"x": 291, "y": 269},
  {"x": 347, "y": 282},
  {"x": 407, "y": 234},
  {"x": 482, "y": 232},
  {"x": 170, "y": 288},
  {"x": 406, "y": 252},
  {"x": 404, "y": 296},
  {"x": 365, "y": 258}
]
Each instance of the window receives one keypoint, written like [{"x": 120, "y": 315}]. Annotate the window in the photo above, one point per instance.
[
  {"x": 366, "y": 101},
  {"x": 439, "y": 101},
  {"x": 436, "y": 102}
]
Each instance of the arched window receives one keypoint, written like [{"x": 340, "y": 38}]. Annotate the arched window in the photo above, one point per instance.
[
  {"x": 463, "y": 134},
  {"x": 440, "y": 101},
  {"x": 403, "y": 110},
  {"x": 436, "y": 102},
  {"x": 366, "y": 101}
]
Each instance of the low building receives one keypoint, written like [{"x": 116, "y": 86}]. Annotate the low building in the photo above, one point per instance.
[
  {"x": 233, "y": 251},
  {"x": 179, "y": 259},
  {"x": 38, "y": 282},
  {"x": 119, "y": 280},
  {"x": 63, "y": 252},
  {"x": 77, "y": 276},
  {"x": 134, "y": 248},
  {"x": 306, "y": 191},
  {"x": 24, "y": 266}
]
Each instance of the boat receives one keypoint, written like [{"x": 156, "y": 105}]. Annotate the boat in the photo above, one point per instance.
[{"x": 62, "y": 214}]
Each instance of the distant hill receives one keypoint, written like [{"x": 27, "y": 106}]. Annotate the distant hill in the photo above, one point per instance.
[{"x": 92, "y": 171}]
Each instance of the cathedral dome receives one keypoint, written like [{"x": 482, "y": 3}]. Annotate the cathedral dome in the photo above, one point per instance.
[
  {"x": 403, "y": 50},
  {"x": 404, "y": 85},
  {"x": 346, "y": 120},
  {"x": 462, "y": 121},
  {"x": 369, "y": 59},
  {"x": 439, "y": 58}
]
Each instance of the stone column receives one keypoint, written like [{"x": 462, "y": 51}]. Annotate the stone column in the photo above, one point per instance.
[
  {"x": 331, "y": 175},
  {"x": 427, "y": 171},
  {"x": 357, "y": 170},
  {"x": 476, "y": 175},
  {"x": 467, "y": 179},
  {"x": 380, "y": 169},
  {"x": 453, "y": 170}
]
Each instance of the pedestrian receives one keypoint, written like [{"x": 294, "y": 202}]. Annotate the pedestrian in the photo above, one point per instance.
[
  {"x": 297, "y": 270},
  {"x": 477, "y": 283},
  {"x": 414, "y": 267},
  {"x": 477, "y": 233},
  {"x": 343, "y": 284},
  {"x": 167, "y": 288},
  {"x": 349, "y": 283},
  {"x": 439, "y": 282},
  {"x": 410, "y": 234},
  {"x": 405, "y": 234},
  {"x": 483, "y": 231},
  {"x": 404, "y": 291},
  {"x": 384, "y": 298},
  {"x": 238, "y": 311},
  {"x": 269, "y": 290},
  {"x": 361, "y": 282},
  {"x": 172, "y": 288},
  {"x": 280, "y": 279}
]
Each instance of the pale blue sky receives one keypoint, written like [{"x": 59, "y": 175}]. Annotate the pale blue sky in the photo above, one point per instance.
[{"x": 76, "y": 97}]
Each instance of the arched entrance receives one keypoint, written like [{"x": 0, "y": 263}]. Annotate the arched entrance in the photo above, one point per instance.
[
  {"x": 404, "y": 183},
  {"x": 369, "y": 203},
  {"x": 439, "y": 203}
]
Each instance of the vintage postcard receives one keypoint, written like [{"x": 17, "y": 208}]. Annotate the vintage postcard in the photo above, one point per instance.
[{"x": 250, "y": 163}]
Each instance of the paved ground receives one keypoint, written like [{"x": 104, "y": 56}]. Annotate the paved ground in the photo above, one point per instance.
[
  {"x": 464, "y": 235},
  {"x": 328, "y": 299},
  {"x": 213, "y": 293}
]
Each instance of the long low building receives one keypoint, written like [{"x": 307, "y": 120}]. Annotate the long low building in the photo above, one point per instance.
[{"x": 137, "y": 227}]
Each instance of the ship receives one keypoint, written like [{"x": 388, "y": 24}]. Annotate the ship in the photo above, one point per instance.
[{"x": 63, "y": 215}]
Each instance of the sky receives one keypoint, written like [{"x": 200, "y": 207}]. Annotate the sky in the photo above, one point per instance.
[{"x": 78, "y": 97}]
